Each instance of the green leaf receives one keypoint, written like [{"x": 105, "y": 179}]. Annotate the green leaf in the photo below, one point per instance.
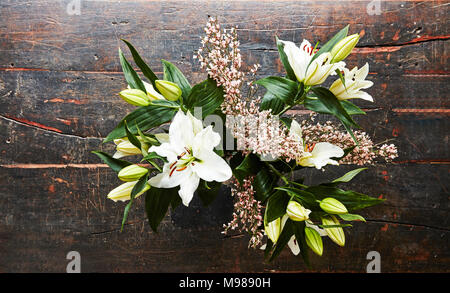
[
  {"x": 316, "y": 105},
  {"x": 271, "y": 102},
  {"x": 306, "y": 198},
  {"x": 148, "y": 73},
  {"x": 333, "y": 105},
  {"x": 335, "y": 226},
  {"x": 157, "y": 201},
  {"x": 330, "y": 101},
  {"x": 351, "y": 199},
  {"x": 205, "y": 95},
  {"x": 283, "y": 88},
  {"x": 208, "y": 191},
  {"x": 351, "y": 217},
  {"x": 176, "y": 201},
  {"x": 300, "y": 237},
  {"x": 145, "y": 118},
  {"x": 153, "y": 155},
  {"x": 249, "y": 166},
  {"x": 173, "y": 74},
  {"x": 276, "y": 206},
  {"x": 131, "y": 137},
  {"x": 138, "y": 187},
  {"x": 330, "y": 44},
  {"x": 289, "y": 71},
  {"x": 166, "y": 104},
  {"x": 348, "y": 176},
  {"x": 115, "y": 164},
  {"x": 269, "y": 246},
  {"x": 133, "y": 79},
  {"x": 148, "y": 139},
  {"x": 283, "y": 239},
  {"x": 264, "y": 183}
]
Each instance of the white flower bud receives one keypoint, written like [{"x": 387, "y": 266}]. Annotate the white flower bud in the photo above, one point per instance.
[
  {"x": 123, "y": 192},
  {"x": 336, "y": 234},
  {"x": 333, "y": 206},
  {"x": 297, "y": 212},
  {"x": 314, "y": 240},
  {"x": 132, "y": 173},
  {"x": 171, "y": 91},
  {"x": 135, "y": 97},
  {"x": 344, "y": 47}
]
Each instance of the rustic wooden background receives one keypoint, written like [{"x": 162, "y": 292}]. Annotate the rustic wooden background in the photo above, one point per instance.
[{"x": 59, "y": 79}]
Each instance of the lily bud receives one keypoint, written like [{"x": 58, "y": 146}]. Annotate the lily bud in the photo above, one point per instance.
[
  {"x": 125, "y": 148},
  {"x": 313, "y": 240},
  {"x": 135, "y": 97},
  {"x": 123, "y": 192},
  {"x": 333, "y": 206},
  {"x": 171, "y": 91},
  {"x": 297, "y": 212},
  {"x": 343, "y": 48},
  {"x": 273, "y": 229},
  {"x": 132, "y": 173},
  {"x": 335, "y": 234}
]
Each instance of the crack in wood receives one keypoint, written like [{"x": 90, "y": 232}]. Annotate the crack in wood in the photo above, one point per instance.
[
  {"x": 36, "y": 125},
  {"x": 408, "y": 224}
]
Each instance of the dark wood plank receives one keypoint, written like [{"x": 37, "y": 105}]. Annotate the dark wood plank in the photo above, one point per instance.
[
  {"x": 419, "y": 137},
  {"x": 204, "y": 250},
  {"x": 171, "y": 29},
  {"x": 69, "y": 209},
  {"x": 59, "y": 79}
]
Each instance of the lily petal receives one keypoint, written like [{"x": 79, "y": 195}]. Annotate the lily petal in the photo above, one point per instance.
[
  {"x": 181, "y": 132},
  {"x": 212, "y": 167},
  {"x": 293, "y": 245},
  {"x": 298, "y": 58},
  {"x": 169, "y": 179},
  {"x": 188, "y": 187}
]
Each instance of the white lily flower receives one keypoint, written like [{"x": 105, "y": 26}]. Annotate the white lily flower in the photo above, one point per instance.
[
  {"x": 316, "y": 155},
  {"x": 191, "y": 157},
  {"x": 319, "y": 69},
  {"x": 354, "y": 82}
]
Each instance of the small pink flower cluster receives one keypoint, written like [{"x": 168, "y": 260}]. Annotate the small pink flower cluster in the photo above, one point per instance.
[
  {"x": 221, "y": 58},
  {"x": 247, "y": 212},
  {"x": 363, "y": 154},
  {"x": 257, "y": 131},
  {"x": 263, "y": 134},
  {"x": 389, "y": 152}
]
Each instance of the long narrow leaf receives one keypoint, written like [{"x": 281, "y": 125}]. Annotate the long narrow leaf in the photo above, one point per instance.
[
  {"x": 132, "y": 78},
  {"x": 138, "y": 187},
  {"x": 148, "y": 73},
  {"x": 173, "y": 74},
  {"x": 115, "y": 164}
]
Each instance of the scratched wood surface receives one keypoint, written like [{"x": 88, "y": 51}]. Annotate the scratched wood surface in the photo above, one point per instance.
[{"x": 59, "y": 79}]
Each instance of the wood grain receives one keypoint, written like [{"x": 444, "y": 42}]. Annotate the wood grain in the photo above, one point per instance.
[{"x": 59, "y": 79}]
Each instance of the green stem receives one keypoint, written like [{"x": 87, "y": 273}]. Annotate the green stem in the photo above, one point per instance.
[
  {"x": 274, "y": 170},
  {"x": 302, "y": 98}
]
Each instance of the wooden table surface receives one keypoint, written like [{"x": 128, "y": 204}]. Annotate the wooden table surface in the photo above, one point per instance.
[{"x": 59, "y": 79}]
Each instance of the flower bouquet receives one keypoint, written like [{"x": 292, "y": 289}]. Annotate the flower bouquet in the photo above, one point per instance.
[{"x": 235, "y": 129}]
